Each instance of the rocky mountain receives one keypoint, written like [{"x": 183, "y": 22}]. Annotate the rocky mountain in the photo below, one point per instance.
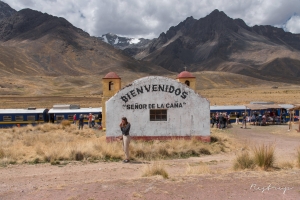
[
  {"x": 34, "y": 43},
  {"x": 124, "y": 42},
  {"x": 220, "y": 43},
  {"x": 5, "y": 10}
]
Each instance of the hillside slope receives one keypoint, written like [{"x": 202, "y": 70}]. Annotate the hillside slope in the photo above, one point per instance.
[
  {"x": 220, "y": 43},
  {"x": 35, "y": 43}
]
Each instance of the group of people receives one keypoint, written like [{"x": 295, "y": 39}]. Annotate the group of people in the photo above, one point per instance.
[
  {"x": 268, "y": 116},
  {"x": 91, "y": 120},
  {"x": 222, "y": 120}
]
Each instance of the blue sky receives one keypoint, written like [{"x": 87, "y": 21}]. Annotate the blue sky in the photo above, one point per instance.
[{"x": 136, "y": 18}]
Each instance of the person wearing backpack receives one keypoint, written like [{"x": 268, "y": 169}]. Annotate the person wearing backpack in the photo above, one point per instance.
[{"x": 80, "y": 124}]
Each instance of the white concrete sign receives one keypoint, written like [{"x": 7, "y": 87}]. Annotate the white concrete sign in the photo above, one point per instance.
[{"x": 158, "y": 107}]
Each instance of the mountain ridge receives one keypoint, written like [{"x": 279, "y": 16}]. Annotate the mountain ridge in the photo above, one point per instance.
[
  {"x": 6, "y": 10},
  {"x": 218, "y": 42},
  {"x": 35, "y": 43},
  {"x": 42, "y": 44}
]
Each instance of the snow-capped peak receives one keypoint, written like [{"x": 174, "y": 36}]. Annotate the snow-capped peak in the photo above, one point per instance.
[
  {"x": 134, "y": 41},
  {"x": 121, "y": 42}
]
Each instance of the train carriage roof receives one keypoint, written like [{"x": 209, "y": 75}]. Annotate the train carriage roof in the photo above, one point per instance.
[
  {"x": 239, "y": 107},
  {"x": 22, "y": 111},
  {"x": 79, "y": 110},
  {"x": 268, "y": 106}
]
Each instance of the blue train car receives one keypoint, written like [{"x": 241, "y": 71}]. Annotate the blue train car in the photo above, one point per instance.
[
  {"x": 66, "y": 112},
  {"x": 281, "y": 110},
  {"x": 279, "y": 113},
  {"x": 232, "y": 110},
  {"x": 22, "y": 117}
]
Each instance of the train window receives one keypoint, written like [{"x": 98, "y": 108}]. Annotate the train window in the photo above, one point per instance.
[
  {"x": 59, "y": 117},
  {"x": 19, "y": 117},
  {"x": 158, "y": 115},
  {"x": 70, "y": 117},
  {"x": 6, "y": 118},
  {"x": 41, "y": 117},
  {"x": 30, "y": 118}
]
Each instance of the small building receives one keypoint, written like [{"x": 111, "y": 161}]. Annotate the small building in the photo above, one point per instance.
[{"x": 157, "y": 108}]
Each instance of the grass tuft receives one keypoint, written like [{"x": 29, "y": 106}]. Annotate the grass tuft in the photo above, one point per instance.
[
  {"x": 243, "y": 161},
  {"x": 65, "y": 123},
  {"x": 264, "y": 156},
  {"x": 154, "y": 169},
  {"x": 77, "y": 155},
  {"x": 286, "y": 165},
  {"x": 198, "y": 169},
  {"x": 298, "y": 157},
  {"x": 1, "y": 153}
]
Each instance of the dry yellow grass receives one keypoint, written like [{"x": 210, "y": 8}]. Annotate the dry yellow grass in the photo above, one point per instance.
[
  {"x": 202, "y": 168},
  {"x": 155, "y": 168},
  {"x": 285, "y": 165},
  {"x": 298, "y": 157},
  {"x": 57, "y": 143},
  {"x": 264, "y": 156},
  {"x": 243, "y": 161},
  {"x": 219, "y": 88}
]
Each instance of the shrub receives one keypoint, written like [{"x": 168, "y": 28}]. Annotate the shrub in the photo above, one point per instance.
[
  {"x": 76, "y": 155},
  {"x": 204, "y": 151},
  {"x": 155, "y": 169},
  {"x": 199, "y": 169},
  {"x": 163, "y": 152},
  {"x": 65, "y": 123},
  {"x": 286, "y": 165},
  {"x": 243, "y": 161},
  {"x": 2, "y": 153},
  {"x": 264, "y": 156},
  {"x": 139, "y": 153}
]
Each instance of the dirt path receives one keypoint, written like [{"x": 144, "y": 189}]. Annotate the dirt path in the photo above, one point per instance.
[{"x": 115, "y": 180}]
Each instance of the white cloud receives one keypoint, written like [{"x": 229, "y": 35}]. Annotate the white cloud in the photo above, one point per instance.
[
  {"x": 293, "y": 25},
  {"x": 136, "y": 18}
]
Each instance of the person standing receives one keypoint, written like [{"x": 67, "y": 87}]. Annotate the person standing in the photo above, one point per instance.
[
  {"x": 80, "y": 124},
  {"x": 90, "y": 117},
  {"x": 74, "y": 119},
  {"x": 213, "y": 120},
  {"x": 221, "y": 121},
  {"x": 244, "y": 120},
  {"x": 93, "y": 121},
  {"x": 125, "y": 128},
  {"x": 237, "y": 120},
  {"x": 283, "y": 117},
  {"x": 228, "y": 119},
  {"x": 100, "y": 118}
]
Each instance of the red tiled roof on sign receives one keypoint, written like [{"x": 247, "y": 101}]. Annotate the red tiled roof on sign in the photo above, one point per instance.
[
  {"x": 112, "y": 75},
  {"x": 185, "y": 74}
]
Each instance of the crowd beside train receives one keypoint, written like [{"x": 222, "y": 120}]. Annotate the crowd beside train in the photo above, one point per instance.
[
  {"x": 223, "y": 119},
  {"x": 91, "y": 121}
]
